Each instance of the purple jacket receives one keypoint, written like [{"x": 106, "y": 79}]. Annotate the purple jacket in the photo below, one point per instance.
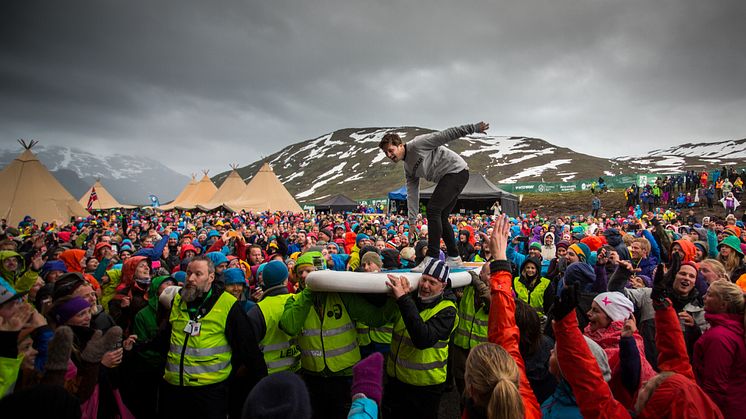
[{"x": 720, "y": 361}]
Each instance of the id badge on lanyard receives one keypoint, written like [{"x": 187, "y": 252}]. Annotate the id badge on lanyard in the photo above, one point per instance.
[{"x": 193, "y": 328}]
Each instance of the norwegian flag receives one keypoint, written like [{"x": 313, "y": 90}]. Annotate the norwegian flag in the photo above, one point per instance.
[{"x": 91, "y": 198}]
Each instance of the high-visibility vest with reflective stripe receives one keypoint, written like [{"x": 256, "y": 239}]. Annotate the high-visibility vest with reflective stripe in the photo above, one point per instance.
[
  {"x": 363, "y": 333},
  {"x": 367, "y": 335},
  {"x": 280, "y": 350},
  {"x": 472, "y": 327},
  {"x": 330, "y": 342},
  {"x": 204, "y": 359},
  {"x": 382, "y": 334},
  {"x": 534, "y": 298},
  {"x": 419, "y": 367}
]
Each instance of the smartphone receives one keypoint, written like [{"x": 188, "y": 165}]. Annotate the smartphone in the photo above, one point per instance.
[{"x": 318, "y": 263}]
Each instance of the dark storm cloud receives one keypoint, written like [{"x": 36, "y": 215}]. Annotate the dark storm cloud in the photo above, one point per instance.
[{"x": 177, "y": 79}]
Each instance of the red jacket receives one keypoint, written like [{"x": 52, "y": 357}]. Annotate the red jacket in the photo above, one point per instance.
[
  {"x": 720, "y": 362},
  {"x": 678, "y": 396},
  {"x": 503, "y": 331}
]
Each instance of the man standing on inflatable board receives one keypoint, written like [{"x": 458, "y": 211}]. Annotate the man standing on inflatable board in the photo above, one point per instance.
[{"x": 425, "y": 156}]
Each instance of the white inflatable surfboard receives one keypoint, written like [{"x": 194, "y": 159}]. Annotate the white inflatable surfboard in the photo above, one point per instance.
[{"x": 375, "y": 282}]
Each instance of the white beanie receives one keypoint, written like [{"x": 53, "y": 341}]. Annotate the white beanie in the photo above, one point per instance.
[{"x": 615, "y": 304}]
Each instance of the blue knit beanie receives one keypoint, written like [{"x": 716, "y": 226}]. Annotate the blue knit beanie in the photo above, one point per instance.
[
  {"x": 217, "y": 258},
  {"x": 234, "y": 276},
  {"x": 274, "y": 273}
]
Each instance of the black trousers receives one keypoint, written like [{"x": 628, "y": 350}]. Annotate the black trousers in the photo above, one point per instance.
[
  {"x": 330, "y": 396},
  {"x": 203, "y": 402},
  {"x": 439, "y": 207},
  {"x": 405, "y": 401}
]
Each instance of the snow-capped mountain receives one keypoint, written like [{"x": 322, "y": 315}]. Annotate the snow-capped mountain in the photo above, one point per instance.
[
  {"x": 348, "y": 161},
  {"x": 130, "y": 179}
]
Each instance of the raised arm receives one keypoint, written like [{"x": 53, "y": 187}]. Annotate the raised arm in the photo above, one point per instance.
[{"x": 502, "y": 328}]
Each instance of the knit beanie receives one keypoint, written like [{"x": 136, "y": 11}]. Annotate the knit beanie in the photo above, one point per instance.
[
  {"x": 615, "y": 304},
  {"x": 579, "y": 273},
  {"x": 437, "y": 269},
  {"x": 52, "y": 265},
  {"x": 390, "y": 259},
  {"x": 563, "y": 243},
  {"x": 581, "y": 249},
  {"x": 601, "y": 358},
  {"x": 535, "y": 245},
  {"x": 180, "y": 277},
  {"x": 278, "y": 396},
  {"x": 69, "y": 309},
  {"x": 359, "y": 237},
  {"x": 234, "y": 276},
  {"x": 367, "y": 377},
  {"x": 217, "y": 258},
  {"x": 274, "y": 273},
  {"x": 305, "y": 260},
  {"x": 372, "y": 258}
]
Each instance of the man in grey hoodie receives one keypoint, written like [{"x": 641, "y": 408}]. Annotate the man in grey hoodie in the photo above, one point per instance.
[{"x": 425, "y": 156}]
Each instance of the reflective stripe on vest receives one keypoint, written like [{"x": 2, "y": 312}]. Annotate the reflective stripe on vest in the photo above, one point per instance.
[
  {"x": 204, "y": 359},
  {"x": 535, "y": 297},
  {"x": 330, "y": 342},
  {"x": 419, "y": 367},
  {"x": 382, "y": 334},
  {"x": 363, "y": 334},
  {"x": 280, "y": 350},
  {"x": 472, "y": 329}
]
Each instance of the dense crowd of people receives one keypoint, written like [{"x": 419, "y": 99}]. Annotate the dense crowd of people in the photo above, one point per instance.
[{"x": 182, "y": 314}]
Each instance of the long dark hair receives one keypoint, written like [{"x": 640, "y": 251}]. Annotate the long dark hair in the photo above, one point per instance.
[{"x": 527, "y": 320}]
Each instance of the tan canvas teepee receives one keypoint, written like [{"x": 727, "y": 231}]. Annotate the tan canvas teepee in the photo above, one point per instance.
[
  {"x": 232, "y": 188},
  {"x": 29, "y": 189},
  {"x": 203, "y": 191},
  {"x": 183, "y": 196},
  {"x": 265, "y": 193},
  {"x": 105, "y": 199}
]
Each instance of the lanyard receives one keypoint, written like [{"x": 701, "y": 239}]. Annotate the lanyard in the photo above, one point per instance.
[{"x": 193, "y": 311}]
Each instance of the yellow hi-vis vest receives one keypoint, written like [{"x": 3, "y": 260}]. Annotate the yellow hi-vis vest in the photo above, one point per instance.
[
  {"x": 280, "y": 350},
  {"x": 472, "y": 327},
  {"x": 419, "y": 367},
  {"x": 331, "y": 341},
  {"x": 204, "y": 359},
  {"x": 534, "y": 298},
  {"x": 367, "y": 335}
]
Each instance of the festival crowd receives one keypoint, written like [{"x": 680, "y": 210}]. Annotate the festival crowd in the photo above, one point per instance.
[{"x": 186, "y": 314}]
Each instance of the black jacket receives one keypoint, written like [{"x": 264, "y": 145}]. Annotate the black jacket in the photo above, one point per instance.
[{"x": 425, "y": 334}]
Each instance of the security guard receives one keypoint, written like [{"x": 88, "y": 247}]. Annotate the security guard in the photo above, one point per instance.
[
  {"x": 473, "y": 314},
  {"x": 280, "y": 350},
  {"x": 208, "y": 338},
  {"x": 417, "y": 364},
  {"x": 327, "y": 338}
]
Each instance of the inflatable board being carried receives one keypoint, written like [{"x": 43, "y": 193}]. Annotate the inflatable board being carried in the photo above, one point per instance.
[{"x": 375, "y": 282}]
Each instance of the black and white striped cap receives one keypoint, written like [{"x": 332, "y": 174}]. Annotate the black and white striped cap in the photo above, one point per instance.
[{"x": 437, "y": 269}]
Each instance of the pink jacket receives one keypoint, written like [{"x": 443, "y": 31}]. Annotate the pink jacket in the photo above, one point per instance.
[{"x": 720, "y": 362}]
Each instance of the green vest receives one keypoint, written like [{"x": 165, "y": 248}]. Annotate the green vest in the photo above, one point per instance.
[
  {"x": 472, "y": 327},
  {"x": 534, "y": 298},
  {"x": 330, "y": 342},
  {"x": 363, "y": 333},
  {"x": 204, "y": 359},
  {"x": 280, "y": 350},
  {"x": 419, "y": 367}
]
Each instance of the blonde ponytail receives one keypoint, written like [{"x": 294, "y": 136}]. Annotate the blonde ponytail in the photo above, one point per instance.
[
  {"x": 491, "y": 379},
  {"x": 506, "y": 401}
]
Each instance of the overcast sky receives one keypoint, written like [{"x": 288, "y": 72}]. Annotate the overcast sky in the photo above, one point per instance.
[{"x": 201, "y": 84}]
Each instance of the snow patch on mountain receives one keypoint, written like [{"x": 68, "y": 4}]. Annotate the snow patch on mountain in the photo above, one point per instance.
[{"x": 536, "y": 170}]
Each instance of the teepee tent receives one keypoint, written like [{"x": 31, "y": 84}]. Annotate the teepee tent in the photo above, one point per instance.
[
  {"x": 183, "y": 196},
  {"x": 264, "y": 193},
  {"x": 29, "y": 189},
  {"x": 104, "y": 200},
  {"x": 203, "y": 191},
  {"x": 232, "y": 188}
]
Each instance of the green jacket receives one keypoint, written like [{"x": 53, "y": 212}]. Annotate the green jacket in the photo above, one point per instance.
[
  {"x": 146, "y": 325},
  {"x": 22, "y": 279},
  {"x": 359, "y": 309}
]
